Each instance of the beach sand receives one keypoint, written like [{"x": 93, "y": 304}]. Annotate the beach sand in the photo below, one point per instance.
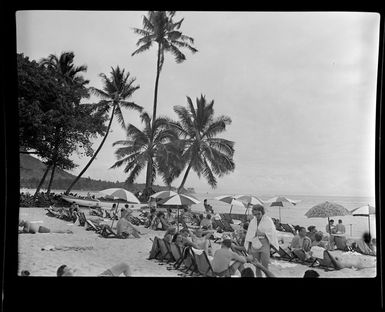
[{"x": 91, "y": 254}]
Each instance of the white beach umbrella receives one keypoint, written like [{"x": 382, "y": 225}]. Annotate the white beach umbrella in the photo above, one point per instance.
[
  {"x": 120, "y": 193},
  {"x": 232, "y": 200},
  {"x": 179, "y": 200},
  {"x": 364, "y": 211},
  {"x": 281, "y": 201},
  {"x": 163, "y": 194},
  {"x": 250, "y": 200}
]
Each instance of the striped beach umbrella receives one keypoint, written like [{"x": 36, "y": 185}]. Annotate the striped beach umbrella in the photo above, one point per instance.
[
  {"x": 232, "y": 200},
  {"x": 121, "y": 193},
  {"x": 179, "y": 200},
  {"x": 327, "y": 210},
  {"x": 281, "y": 201},
  {"x": 250, "y": 200},
  {"x": 163, "y": 194},
  {"x": 364, "y": 211}
]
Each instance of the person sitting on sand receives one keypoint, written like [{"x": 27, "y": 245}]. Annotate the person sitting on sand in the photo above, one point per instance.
[
  {"x": 182, "y": 241},
  {"x": 206, "y": 223},
  {"x": 208, "y": 208},
  {"x": 170, "y": 217},
  {"x": 116, "y": 270},
  {"x": 33, "y": 228},
  {"x": 311, "y": 232},
  {"x": 226, "y": 262},
  {"x": 319, "y": 242},
  {"x": 301, "y": 244},
  {"x": 150, "y": 218},
  {"x": 124, "y": 228},
  {"x": 365, "y": 245},
  {"x": 340, "y": 228},
  {"x": 168, "y": 236},
  {"x": 160, "y": 222}
]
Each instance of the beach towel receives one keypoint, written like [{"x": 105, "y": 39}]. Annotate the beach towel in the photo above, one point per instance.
[
  {"x": 266, "y": 226},
  {"x": 317, "y": 252}
]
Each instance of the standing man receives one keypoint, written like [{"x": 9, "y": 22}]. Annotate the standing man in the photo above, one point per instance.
[
  {"x": 260, "y": 234},
  {"x": 340, "y": 228},
  {"x": 208, "y": 208}
]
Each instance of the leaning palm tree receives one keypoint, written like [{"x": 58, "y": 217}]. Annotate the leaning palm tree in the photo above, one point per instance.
[
  {"x": 159, "y": 28},
  {"x": 116, "y": 90},
  {"x": 203, "y": 152},
  {"x": 155, "y": 148}
]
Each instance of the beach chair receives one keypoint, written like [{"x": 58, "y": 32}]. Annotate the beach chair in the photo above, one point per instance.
[
  {"x": 107, "y": 232},
  {"x": 155, "y": 250},
  {"x": 202, "y": 262},
  {"x": 176, "y": 253},
  {"x": 52, "y": 213},
  {"x": 283, "y": 254},
  {"x": 165, "y": 251},
  {"x": 288, "y": 228},
  {"x": 188, "y": 261},
  {"x": 324, "y": 259},
  {"x": 92, "y": 226},
  {"x": 226, "y": 226},
  {"x": 340, "y": 242},
  {"x": 82, "y": 218}
]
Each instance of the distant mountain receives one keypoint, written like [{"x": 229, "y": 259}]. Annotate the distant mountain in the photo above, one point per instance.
[{"x": 32, "y": 170}]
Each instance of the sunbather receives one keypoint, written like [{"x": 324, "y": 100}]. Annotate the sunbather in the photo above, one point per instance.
[
  {"x": 116, "y": 270},
  {"x": 201, "y": 238},
  {"x": 33, "y": 228},
  {"x": 182, "y": 241},
  {"x": 301, "y": 244},
  {"x": 226, "y": 262},
  {"x": 124, "y": 227}
]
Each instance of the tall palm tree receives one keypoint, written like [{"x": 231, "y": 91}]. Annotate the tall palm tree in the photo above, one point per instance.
[
  {"x": 159, "y": 28},
  {"x": 155, "y": 148},
  {"x": 116, "y": 90},
  {"x": 203, "y": 152}
]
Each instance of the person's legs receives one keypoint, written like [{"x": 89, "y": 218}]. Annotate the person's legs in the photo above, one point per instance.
[
  {"x": 120, "y": 268},
  {"x": 257, "y": 255},
  {"x": 43, "y": 229},
  {"x": 236, "y": 266}
]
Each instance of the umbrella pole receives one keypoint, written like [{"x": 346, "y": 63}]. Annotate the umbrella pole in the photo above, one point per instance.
[
  {"x": 280, "y": 214},
  {"x": 231, "y": 208},
  {"x": 113, "y": 218},
  {"x": 369, "y": 222},
  {"x": 178, "y": 221}
]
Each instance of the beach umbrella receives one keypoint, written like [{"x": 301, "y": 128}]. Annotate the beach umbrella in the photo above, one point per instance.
[
  {"x": 163, "y": 194},
  {"x": 364, "y": 211},
  {"x": 249, "y": 200},
  {"x": 327, "y": 210},
  {"x": 179, "y": 200},
  {"x": 120, "y": 193},
  {"x": 232, "y": 200},
  {"x": 281, "y": 201}
]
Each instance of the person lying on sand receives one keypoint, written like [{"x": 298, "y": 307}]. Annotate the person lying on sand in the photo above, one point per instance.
[
  {"x": 33, "y": 228},
  {"x": 116, "y": 270},
  {"x": 124, "y": 227}
]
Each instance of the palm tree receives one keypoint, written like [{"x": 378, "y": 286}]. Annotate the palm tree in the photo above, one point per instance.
[
  {"x": 155, "y": 148},
  {"x": 159, "y": 27},
  {"x": 203, "y": 152},
  {"x": 116, "y": 90}
]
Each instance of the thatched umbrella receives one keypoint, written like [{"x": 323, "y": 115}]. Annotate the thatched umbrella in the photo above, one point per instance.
[{"x": 327, "y": 210}]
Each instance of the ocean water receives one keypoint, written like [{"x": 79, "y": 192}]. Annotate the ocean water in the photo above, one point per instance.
[{"x": 355, "y": 226}]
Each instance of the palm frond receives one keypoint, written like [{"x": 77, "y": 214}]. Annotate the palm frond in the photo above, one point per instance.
[
  {"x": 208, "y": 174},
  {"x": 99, "y": 93},
  {"x": 131, "y": 105},
  {"x": 142, "y": 48}
]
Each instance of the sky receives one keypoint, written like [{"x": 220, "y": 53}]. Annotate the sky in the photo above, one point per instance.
[{"x": 299, "y": 87}]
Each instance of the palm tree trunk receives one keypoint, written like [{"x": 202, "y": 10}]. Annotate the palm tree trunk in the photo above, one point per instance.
[
  {"x": 93, "y": 157},
  {"x": 185, "y": 177},
  {"x": 156, "y": 87},
  {"x": 51, "y": 179},
  {"x": 42, "y": 181}
]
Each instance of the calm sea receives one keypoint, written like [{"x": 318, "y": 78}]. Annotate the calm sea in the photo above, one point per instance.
[{"x": 355, "y": 226}]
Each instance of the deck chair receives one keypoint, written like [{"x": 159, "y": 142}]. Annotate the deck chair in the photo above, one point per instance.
[
  {"x": 283, "y": 254},
  {"x": 227, "y": 226},
  {"x": 203, "y": 262},
  {"x": 188, "y": 261},
  {"x": 155, "y": 252},
  {"x": 52, "y": 213},
  {"x": 165, "y": 250},
  {"x": 325, "y": 259},
  {"x": 340, "y": 242},
  {"x": 82, "y": 218},
  {"x": 176, "y": 253},
  {"x": 288, "y": 228},
  {"x": 227, "y": 217},
  {"x": 107, "y": 232},
  {"x": 92, "y": 226}
]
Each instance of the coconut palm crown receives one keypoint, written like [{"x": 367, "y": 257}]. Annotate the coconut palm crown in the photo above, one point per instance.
[
  {"x": 156, "y": 147},
  {"x": 203, "y": 152}
]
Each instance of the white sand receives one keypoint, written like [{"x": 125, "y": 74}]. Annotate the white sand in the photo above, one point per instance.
[{"x": 101, "y": 253}]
